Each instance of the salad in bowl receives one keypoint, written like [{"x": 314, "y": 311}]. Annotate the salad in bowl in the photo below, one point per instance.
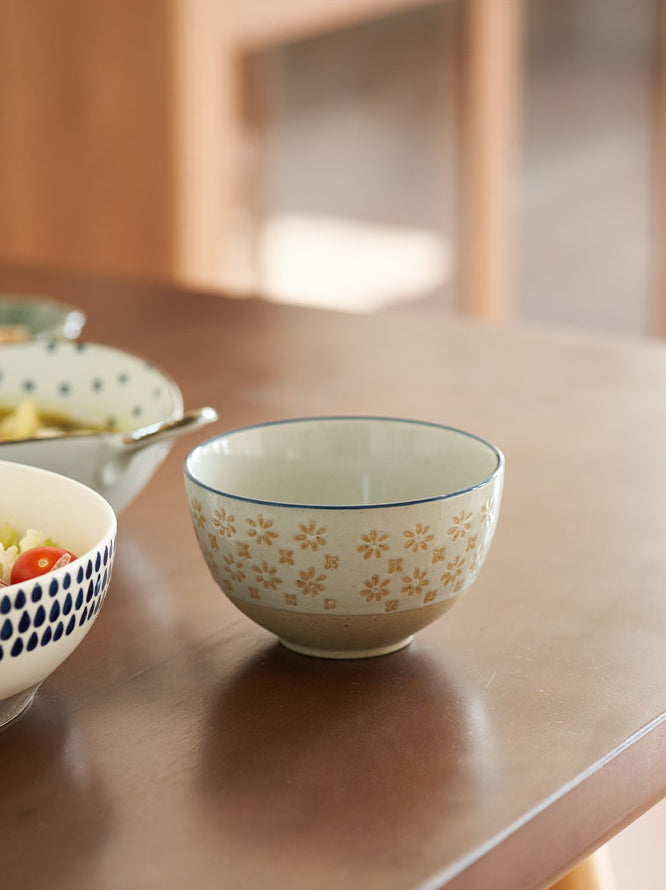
[{"x": 57, "y": 548}]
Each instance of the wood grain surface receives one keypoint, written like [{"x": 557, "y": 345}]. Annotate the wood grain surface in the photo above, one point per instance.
[{"x": 180, "y": 745}]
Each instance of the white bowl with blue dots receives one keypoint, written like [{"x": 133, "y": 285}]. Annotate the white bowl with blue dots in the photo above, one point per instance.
[
  {"x": 96, "y": 385},
  {"x": 44, "y": 619}
]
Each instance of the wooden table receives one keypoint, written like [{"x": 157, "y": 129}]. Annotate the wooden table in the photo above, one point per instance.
[{"x": 180, "y": 746}]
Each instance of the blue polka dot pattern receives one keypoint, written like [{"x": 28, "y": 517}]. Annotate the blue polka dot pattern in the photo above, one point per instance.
[
  {"x": 29, "y": 622},
  {"x": 101, "y": 382}
]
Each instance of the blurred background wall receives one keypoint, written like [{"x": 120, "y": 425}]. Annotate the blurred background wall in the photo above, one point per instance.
[
  {"x": 372, "y": 138},
  {"x": 316, "y": 152}
]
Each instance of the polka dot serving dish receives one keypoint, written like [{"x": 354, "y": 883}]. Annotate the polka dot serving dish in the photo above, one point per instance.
[
  {"x": 131, "y": 411},
  {"x": 344, "y": 535},
  {"x": 43, "y": 619}
]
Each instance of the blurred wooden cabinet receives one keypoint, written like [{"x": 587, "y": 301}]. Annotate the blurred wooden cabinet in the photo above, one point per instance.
[
  {"x": 87, "y": 147},
  {"x": 122, "y": 128}
]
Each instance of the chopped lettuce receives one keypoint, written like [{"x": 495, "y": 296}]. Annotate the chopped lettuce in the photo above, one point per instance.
[
  {"x": 12, "y": 544},
  {"x": 8, "y": 535},
  {"x": 7, "y": 559}
]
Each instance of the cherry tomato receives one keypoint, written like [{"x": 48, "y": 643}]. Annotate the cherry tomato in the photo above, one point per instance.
[{"x": 37, "y": 561}]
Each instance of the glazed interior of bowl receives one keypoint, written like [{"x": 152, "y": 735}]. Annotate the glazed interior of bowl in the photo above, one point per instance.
[
  {"x": 343, "y": 461},
  {"x": 94, "y": 384},
  {"x": 70, "y": 513}
]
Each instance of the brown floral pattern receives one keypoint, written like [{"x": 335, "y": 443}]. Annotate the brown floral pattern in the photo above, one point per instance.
[
  {"x": 310, "y": 583},
  {"x": 196, "y": 511},
  {"x": 315, "y": 564},
  {"x": 310, "y": 537},
  {"x": 375, "y": 588},
  {"x": 224, "y": 523},
  {"x": 261, "y": 530},
  {"x": 416, "y": 583},
  {"x": 460, "y": 526},
  {"x": 419, "y": 538},
  {"x": 267, "y": 576},
  {"x": 373, "y": 544}
]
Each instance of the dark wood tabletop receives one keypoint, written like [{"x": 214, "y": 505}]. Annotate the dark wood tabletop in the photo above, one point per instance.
[{"x": 181, "y": 746}]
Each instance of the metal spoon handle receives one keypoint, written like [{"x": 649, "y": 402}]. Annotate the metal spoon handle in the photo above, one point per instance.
[{"x": 167, "y": 429}]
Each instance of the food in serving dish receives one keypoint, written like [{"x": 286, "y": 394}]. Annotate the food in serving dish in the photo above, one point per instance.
[
  {"x": 344, "y": 535},
  {"x": 44, "y": 618},
  {"x": 131, "y": 408},
  {"x": 28, "y": 421},
  {"x": 13, "y": 333}
]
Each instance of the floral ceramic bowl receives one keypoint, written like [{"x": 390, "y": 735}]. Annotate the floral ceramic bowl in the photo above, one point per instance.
[
  {"x": 42, "y": 620},
  {"x": 129, "y": 410},
  {"x": 29, "y": 318},
  {"x": 344, "y": 535}
]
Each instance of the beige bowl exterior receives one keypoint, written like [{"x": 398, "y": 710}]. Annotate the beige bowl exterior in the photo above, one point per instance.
[{"x": 345, "y": 582}]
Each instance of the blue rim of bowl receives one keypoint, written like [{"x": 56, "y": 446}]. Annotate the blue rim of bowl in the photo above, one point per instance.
[{"x": 345, "y": 417}]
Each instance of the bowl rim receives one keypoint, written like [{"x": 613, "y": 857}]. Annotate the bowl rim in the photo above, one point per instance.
[
  {"x": 67, "y": 320},
  {"x": 497, "y": 471},
  {"x": 84, "y": 345}
]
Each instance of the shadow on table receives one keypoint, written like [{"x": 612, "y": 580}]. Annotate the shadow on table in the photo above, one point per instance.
[
  {"x": 53, "y": 812},
  {"x": 302, "y": 751}
]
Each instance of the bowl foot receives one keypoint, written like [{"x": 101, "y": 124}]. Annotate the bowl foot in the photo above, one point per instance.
[
  {"x": 347, "y": 653},
  {"x": 13, "y": 707}
]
